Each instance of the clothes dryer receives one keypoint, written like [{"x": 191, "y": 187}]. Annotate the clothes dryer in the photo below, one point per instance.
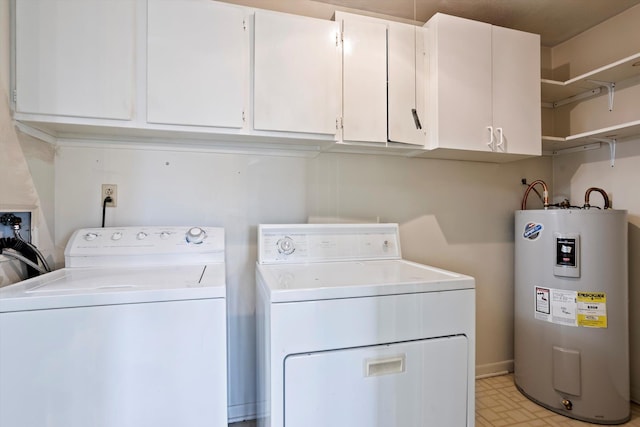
[
  {"x": 132, "y": 332},
  {"x": 350, "y": 334}
]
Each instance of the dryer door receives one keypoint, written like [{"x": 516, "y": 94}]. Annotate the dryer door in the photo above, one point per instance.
[{"x": 416, "y": 383}]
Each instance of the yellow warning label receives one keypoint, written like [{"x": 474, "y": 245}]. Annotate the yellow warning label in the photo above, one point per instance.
[{"x": 592, "y": 309}]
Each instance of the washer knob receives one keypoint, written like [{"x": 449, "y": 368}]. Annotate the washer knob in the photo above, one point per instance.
[
  {"x": 196, "y": 235},
  {"x": 141, "y": 235},
  {"x": 90, "y": 236},
  {"x": 116, "y": 236},
  {"x": 286, "y": 245}
]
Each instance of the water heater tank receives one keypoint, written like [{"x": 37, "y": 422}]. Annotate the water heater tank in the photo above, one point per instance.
[{"x": 571, "y": 348}]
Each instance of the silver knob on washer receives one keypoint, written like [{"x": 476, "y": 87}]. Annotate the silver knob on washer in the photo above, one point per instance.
[{"x": 196, "y": 235}]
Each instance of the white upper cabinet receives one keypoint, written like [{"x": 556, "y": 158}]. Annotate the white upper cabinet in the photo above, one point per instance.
[
  {"x": 383, "y": 80},
  {"x": 364, "y": 79},
  {"x": 406, "y": 84},
  {"x": 119, "y": 68},
  {"x": 484, "y": 87},
  {"x": 197, "y": 63},
  {"x": 516, "y": 91},
  {"x": 75, "y": 58},
  {"x": 459, "y": 97},
  {"x": 296, "y": 74}
]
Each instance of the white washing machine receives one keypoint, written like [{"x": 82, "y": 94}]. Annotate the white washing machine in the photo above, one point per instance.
[
  {"x": 131, "y": 333},
  {"x": 350, "y": 334}
]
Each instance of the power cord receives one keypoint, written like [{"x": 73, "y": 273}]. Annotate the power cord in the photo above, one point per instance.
[{"x": 106, "y": 200}]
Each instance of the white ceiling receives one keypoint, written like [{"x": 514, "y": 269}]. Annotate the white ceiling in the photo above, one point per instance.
[{"x": 555, "y": 20}]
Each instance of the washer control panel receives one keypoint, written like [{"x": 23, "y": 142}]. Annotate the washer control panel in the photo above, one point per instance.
[
  {"x": 298, "y": 243},
  {"x": 170, "y": 244}
]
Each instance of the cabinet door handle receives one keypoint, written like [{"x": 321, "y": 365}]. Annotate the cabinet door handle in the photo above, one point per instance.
[
  {"x": 491, "y": 138},
  {"x": 386, "y": 366},
  {"x": 500, "y": 144},
  {"x": 416, "y": 119}
]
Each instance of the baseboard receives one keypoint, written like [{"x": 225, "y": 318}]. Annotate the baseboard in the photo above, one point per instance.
[
  {"x": 244, "y": 412},
  {"x": 494, "y": 369}
]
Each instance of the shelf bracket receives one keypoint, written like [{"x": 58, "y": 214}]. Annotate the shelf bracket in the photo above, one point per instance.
[
  {"x": 611, "y": 86},
  {"x": 589, "y": 93},
  {"x": 612, "y": 147}
]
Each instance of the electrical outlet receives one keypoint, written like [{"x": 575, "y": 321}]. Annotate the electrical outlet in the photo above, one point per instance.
[{"x": 109, "y": 190}]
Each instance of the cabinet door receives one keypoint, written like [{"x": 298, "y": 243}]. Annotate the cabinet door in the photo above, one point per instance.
[
  {"x": 406, "y": 84},
  {"x": 516, "y": 91},
  {"x": 197, "y": 63},
  {"x": 364, "y": 81},
  {"x": 460, "y": 96},
  {"x": 75, "y": 58},
  {"x": 296, "y": 73}
]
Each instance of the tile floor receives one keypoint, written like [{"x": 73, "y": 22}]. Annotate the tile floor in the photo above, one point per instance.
[{"x": 500, "y": 404}]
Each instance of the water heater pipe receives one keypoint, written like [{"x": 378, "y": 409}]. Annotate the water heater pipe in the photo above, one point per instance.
[
  {"x": 607, "y": 204},
  {"x": 545, "y": 194}
]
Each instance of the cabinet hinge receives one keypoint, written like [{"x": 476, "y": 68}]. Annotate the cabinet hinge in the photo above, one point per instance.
[
  {"x": 15, "y": 95},
  {"x": 243, "y": 117},
  {"x": 338, "y": 38},
  {"x": 339, "y": 123},
  {"x": 244, "y": 24}
]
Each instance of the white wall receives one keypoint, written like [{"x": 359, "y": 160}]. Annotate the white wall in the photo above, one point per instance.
[
  {"x": 456, "y": 215},
  {"x": 614, "y": 39}
]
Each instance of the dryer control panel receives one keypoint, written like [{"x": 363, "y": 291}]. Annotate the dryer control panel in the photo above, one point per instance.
[{"x": 301, "y": 243}]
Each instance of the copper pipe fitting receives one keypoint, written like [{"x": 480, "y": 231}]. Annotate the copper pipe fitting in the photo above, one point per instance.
[
  {"x": 607, "y": 204},
  {"x": 545, "y": 194}
]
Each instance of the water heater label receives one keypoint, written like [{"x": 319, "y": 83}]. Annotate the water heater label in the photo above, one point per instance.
[
  {"x": 563, "y": 307},
  {"x": 571, "y": 308},
  {"x": 566, "y": 252},
  {"x": 567, "y": 262},
  {"x": 592, "y": 309},
  {"x": 532, "y": 230},
  {"x": 543, "y": 302}
]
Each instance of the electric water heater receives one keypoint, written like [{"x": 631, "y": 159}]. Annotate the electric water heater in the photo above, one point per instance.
[{"x": 571, "y": 347}]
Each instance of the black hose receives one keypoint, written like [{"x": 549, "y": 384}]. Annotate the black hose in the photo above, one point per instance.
[
  {"x": 43, "y": 261},
  {"x": 24, "y": 249}
]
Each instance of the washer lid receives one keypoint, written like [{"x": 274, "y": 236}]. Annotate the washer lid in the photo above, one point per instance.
[
  {"x": 319, "y": 281},
  {"x": 80, "y": 287}
]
